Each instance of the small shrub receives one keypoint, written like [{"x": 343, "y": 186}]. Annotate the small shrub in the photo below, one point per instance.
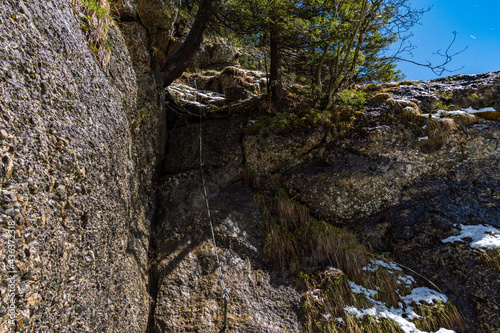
[{"x": 352, "y": 98}]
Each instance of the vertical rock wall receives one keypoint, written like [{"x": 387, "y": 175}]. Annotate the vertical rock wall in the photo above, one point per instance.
[{"x": 78, "y": 149}]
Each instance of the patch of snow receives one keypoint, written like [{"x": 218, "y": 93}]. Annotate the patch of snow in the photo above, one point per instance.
[
  {"x": 195, "y": 103},
  {"x": 483, "y": 236},
  {"x": 424, "y": 294},
  {"x": 406, "y": 279},
  {"x": 423, "y": 138},
  {"x": 470, "y": 110},
  {"x": 193, "y": 96},
  {"x": 410, "y": 314},
  {"x": 401, "y": 315},
  {"x": 374, "y": 265},
  {"x": 443, "y": 114},
  {"x": 361, "y": 313},
  {"x": 357, "y": 289},
  {"x": 340, "y": 319},
  {"x": 326, "y": 316}
]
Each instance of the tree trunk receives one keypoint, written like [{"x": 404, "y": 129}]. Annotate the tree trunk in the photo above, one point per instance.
[
  {"x": 275, "y": 70},
  {"x": 317, "y": 84},
  {"x": 177, "y": 64}
]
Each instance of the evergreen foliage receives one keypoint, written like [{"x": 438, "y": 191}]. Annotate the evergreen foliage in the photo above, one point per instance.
[{"x": 332, "y": 43}]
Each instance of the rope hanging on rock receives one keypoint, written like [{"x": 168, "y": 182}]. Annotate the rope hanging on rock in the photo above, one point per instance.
[{"x": 225, "y": 291}]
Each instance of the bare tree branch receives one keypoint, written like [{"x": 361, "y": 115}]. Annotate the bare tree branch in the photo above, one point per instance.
[{"x": 440, "y": 68}]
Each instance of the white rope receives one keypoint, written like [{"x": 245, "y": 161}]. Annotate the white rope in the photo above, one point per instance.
[{"x": 225, "y": 291}]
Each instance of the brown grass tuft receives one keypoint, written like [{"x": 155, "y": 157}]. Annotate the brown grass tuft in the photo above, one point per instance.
[
  {"x": 250, "y": 178},
  {"x": 380, "y": 97},
  {"x": 410, "y": 114},
  {"x": 466, "y": 120}
]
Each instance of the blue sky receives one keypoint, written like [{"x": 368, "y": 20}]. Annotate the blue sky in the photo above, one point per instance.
[{"x": 478, "y": 26}]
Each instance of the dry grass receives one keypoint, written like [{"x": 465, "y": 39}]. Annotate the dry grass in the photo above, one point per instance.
[
  {"x": 438, "y": 315},
  {"x": 328, "y": 293},
  {"x": 447, "y": 125},
  {"x": 297, "y": 242},
  {"x": 380, "y": 97},
  {"x": 410, "y": 114},
  {"x": 250, "y": 178},
  {"x": 489, "y": 115},
  {"x": 466, "y": 120},
  {"x": 491, "y": 258},
  {"x": 96, "y": 20},
  {"x": 438, "y": 130},
  {"x": 234, "y": 71},
  {"x": 292, "y": 233},
  {"x": 399, "y": 105}
]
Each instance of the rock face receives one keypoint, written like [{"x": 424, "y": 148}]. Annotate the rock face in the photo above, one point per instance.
[
  {"x": 368, "y": 173},
  {"x": 76, "y": 172},
  {"x": 88, "y": 179},
  {"x": 189, "y": 294}
]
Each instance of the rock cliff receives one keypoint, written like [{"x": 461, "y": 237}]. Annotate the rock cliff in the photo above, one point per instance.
[{"x": 77, "y": 169}]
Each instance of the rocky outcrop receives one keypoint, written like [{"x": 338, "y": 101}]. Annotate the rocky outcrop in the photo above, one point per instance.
[
  {"x": 454, "y": 92},
  {"x": 265, "y": 155},
  {"x": 233, "y": 82},
  {"x": 76, "y": 172},
  {"x": 403, "y": 192},
  {"x": 365, "y": 174}
]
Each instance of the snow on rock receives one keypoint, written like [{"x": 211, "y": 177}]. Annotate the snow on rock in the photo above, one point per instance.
[
  {"x": 424, "y": 294},
  {"x": 405, "y": 279},
  {"x": 483, "y": 236},
  {"x": 443, "y": 113},
  {"x": 472, "y": 110},
  {"x": 196, "y": 97},
  {"x": 374, "y": 265},
  {"x": 401, "y": 315}
]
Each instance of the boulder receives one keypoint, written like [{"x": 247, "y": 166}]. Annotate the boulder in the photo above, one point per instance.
[
  {"x": 223, "y": 52},
  {"x": 160, "y": 14}
]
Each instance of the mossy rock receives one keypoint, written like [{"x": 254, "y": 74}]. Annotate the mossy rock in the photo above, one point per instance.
[
  {"x": 409, "y": 82},
  {"x": 488, "y": 115}
]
